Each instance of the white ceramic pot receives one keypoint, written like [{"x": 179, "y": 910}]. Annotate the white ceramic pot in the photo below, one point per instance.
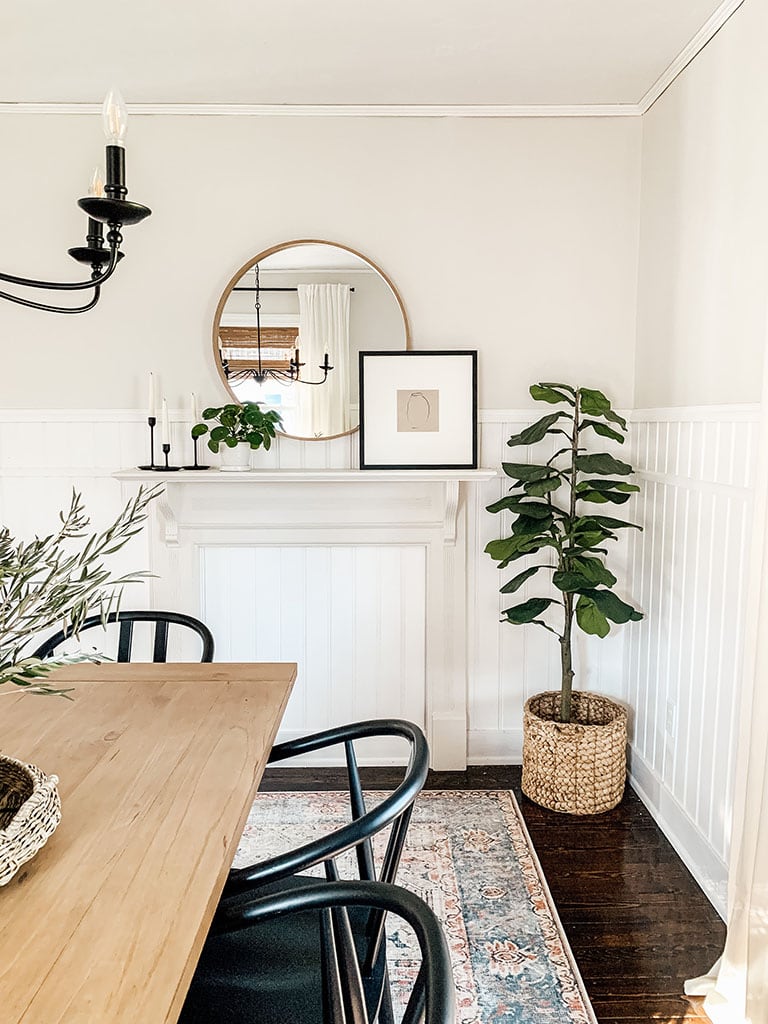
[{"x": 237, "y": 459}]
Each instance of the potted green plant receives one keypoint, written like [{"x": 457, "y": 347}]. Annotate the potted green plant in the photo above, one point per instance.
[
  {"x": 48, "y": 583},
  {"x": 574, "y": 742},
  {"x": 241, "y": 429}
]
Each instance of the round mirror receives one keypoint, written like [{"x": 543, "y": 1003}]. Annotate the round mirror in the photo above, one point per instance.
[{"x": 290, "y": 324}]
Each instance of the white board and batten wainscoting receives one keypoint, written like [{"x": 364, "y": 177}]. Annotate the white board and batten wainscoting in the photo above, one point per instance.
[{"x": 381, "y": 591}]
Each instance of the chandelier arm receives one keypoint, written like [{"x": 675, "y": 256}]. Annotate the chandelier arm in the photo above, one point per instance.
[
  {"x": 54, "y": 309},
  {"x": 283, "y": 376},
  {"x": 61, "y": 286}
]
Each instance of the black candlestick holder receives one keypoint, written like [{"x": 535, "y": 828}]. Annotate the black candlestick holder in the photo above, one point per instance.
[
  {"x": 167, "y": 468},
  {"x": 196, "y": 465},
  {"x": 152, "y": 421}
]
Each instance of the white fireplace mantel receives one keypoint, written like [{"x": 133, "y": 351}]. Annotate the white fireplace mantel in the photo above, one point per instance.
[
  {"x": 332, "y": 508},
  {"x": 449, "y": 479}
]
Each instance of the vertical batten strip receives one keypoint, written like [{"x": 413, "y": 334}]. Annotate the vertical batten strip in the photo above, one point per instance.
[
  {"x": 681, "y": 644},
  {"x": 714, "y": 705},
  {"x": 739, "y": 632}
]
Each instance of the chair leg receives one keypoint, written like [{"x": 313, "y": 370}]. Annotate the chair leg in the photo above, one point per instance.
[
  {"x": 333, "y": 999},
  {"x": 417, "y": 1004},
  {"x": 349, "y": 968},
  {"x": 386, "y": 1011}
]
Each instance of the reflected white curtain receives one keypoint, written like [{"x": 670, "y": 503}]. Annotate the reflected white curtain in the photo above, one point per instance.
[
  {"x": 736, "y": 988},
  {"x": 324, "y": 327}
]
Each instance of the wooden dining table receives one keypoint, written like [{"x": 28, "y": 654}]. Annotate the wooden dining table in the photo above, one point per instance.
[{"x": 158, "y": 768}]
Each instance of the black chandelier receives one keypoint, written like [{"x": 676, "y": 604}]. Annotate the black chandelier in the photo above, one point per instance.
[
  {"x": 106, "y": 204},
  {"x": 260, "y": 372}
]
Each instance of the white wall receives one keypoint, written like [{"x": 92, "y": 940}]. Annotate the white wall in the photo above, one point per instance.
[
  {"x": 518, "y": 237},
  {"x": 702, "y": 299},
  {"x": 704, "y": 226}
]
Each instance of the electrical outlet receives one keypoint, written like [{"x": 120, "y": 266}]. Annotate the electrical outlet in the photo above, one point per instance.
[{"x": 671, "y": 725}]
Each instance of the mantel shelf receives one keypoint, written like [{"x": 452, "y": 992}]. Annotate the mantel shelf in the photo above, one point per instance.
[
  {"x": 215, "y": 476},
  {"x": 204, "y": 485}
]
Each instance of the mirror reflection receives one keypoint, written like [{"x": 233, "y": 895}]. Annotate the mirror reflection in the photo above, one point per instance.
[{"x": 289, "y": 327}]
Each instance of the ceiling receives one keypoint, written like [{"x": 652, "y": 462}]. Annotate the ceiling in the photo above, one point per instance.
[
  {"x": 345, "y": 52},
  {"x": 316, "y": 256}
]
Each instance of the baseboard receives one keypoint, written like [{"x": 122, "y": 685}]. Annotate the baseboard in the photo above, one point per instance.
[
  {"x": 495, "y": 746},
  {"x": 693, "y": 848},
  {"x": 448, "y": 742}
]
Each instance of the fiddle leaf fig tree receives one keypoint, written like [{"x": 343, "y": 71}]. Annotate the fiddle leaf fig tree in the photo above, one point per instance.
[{"x": 552, "y": 505}]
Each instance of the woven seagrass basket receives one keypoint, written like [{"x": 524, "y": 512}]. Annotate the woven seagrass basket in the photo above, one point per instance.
[
  {"x": 579, "y": 767},
  {"x": 30, "y": 810}
]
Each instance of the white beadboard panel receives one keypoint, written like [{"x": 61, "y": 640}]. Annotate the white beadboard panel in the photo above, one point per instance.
[
  {"x": 683, "y": 664},
  {"x": 352, "y": 617}
]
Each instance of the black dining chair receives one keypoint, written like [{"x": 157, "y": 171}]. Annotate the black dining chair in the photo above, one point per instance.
[
  {"x": 394, "y": 811},
  {"x": 298, "y": 957},
  {"x": 281, "y": 873},
  {"x": 126, "y": 620}
]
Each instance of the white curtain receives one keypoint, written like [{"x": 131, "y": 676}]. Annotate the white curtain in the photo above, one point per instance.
[
  {"x": 324, "y": 327},
  {"x": 736, "y": 988}
]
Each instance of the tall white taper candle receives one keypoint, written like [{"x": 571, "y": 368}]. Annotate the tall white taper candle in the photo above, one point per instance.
[
  {"x": 151, "y": 410},
  {"x": 165, "y": 436}
]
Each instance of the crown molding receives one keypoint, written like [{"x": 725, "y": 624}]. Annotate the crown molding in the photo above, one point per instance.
[
  {"x": 471, "y": 110},
  {"x": 477, "y": 110},
  {"x": 706, "y": 33}
]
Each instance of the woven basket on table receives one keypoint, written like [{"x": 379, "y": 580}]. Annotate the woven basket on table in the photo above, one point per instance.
[
  {"x": 579, "y": 767},
  {"x": 30, "y": 810}
]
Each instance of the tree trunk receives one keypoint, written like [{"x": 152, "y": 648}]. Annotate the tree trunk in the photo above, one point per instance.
[
  {"x": 565, "y": 640},
  {"x": 565, "y": 660}
]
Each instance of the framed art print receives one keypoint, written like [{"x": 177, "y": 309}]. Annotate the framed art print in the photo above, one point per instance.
[{"x": 418, "y": 410}]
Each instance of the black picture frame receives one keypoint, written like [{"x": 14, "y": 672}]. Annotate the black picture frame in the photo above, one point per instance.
[{"x": 379, "y": 399}]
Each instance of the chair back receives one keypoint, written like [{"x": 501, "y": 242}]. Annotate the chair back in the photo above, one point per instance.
[
  {"x": 344, "y": 999},
  {"x": 126, "y": 621},
  {"x": 393, "y": 811}
]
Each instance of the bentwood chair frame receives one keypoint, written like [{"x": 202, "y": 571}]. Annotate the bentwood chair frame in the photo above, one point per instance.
[
  {"x": 343, "y": 997},
  {"x": 126, "y": 619},
  {"x": 394, "y": 810}
]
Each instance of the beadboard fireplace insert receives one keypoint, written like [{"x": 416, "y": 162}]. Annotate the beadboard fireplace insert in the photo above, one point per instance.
[{"x": 359, "y": 576}]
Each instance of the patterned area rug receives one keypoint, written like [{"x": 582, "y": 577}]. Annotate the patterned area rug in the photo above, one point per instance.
[{"x": 468, "y": 855}]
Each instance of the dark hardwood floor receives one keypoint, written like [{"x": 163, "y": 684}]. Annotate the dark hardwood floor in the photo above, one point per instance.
[{"x": 636, "y": 920}]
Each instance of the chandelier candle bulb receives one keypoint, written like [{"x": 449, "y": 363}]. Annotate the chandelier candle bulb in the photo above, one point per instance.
[
  {"x": 115, "y": 126},
  {"x": 96, "y": 188},
  {"x": 115, "y": 117}
]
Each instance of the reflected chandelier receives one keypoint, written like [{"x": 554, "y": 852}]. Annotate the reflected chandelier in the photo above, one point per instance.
[
  {"x": 106, "y": 204},
  {"x": 260, "y": 372}
]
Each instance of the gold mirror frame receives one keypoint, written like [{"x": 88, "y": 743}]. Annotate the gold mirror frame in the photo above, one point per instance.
[{"x": 262, "y": 256}]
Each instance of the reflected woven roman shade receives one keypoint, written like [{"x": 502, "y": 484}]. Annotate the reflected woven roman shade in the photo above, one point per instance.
[{"x": 239, "y": 347}]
